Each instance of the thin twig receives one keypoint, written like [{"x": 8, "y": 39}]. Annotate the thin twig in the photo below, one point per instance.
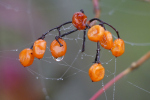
[
  {"x": 133, "y": 66},
  {"x": 96, "y": 11}
]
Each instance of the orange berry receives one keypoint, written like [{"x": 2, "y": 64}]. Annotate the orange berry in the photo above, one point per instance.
[
  {"x": 56, "y": 50},
  {"x": 26, "y": 57},
  {"x": 107, "y": 40},
  {"x": 79, "y": 20},
  {"x": 118, "y": 47},
  {"x": 95, "y": 33},
  {"x": 39, "y": 48},
  {"x": 96, "y": 72}
]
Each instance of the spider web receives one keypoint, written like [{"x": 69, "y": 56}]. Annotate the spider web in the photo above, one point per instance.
[{"x": 22, "y": 22}]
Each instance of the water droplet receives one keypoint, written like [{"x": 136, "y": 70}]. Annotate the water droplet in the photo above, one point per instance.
[
  {"x": 37, "y": 77},
  {"x": 61, "y": 78},
  {"x": 16, "y": 49},
  {"x": 59, "y": 58},
  {"x": 57, "y": 79},
  {"x": 81, "y": 57},
  {"x": 106, "y": 63}
]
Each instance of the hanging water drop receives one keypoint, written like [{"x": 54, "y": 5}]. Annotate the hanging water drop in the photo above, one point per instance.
[
  {"x": 61, "y": 78},
  {"x": 58, "y": 79},
  {"x": 59, "y": 58}
]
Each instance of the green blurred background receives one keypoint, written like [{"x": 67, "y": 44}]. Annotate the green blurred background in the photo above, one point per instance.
[{"x": 23, "y": 21}]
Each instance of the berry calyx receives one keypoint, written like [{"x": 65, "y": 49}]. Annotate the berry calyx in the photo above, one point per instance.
[
  {"x": 39, "y": 48},
  {"x": 118, "y": 47},
  {"x": 96, "y": 72},
  {"x": 79, "y": 20},
  {"x": 57, "y": 50},
  {"x": 95, "y": 33},
  {"x": 26, "y": 57},
  {"x": 107, "y": 40}
]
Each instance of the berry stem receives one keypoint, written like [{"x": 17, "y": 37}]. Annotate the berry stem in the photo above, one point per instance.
[
  {"x": 58, "y": 27},
  {"x": 82, "y": 11},
  {"x": 95, "y": 19},
  {"x": 106, "y": 24},
  {"x": 112, "y": 28},
  {"x": 102, "y": 25},
  {"x": 68, "y": 33},
  {"x": 59, "y": 31},
  {"x": 97, "y": 58},
  {"x": 57, "y": 37},
  {"x": 64, "y": 24},
  {"x": 132, "y": 67},
  {"x": 84, "y": 38}
]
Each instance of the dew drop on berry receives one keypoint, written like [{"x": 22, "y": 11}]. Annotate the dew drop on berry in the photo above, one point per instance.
[{"x": 59, "y": 58}]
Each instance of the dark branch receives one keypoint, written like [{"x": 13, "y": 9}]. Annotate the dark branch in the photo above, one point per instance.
[
  {"x": 83, "y": 45},
  {"x": 68, "y": 33}
]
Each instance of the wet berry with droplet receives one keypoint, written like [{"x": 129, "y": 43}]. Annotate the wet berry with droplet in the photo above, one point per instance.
[{"x": 57, "y": 50}]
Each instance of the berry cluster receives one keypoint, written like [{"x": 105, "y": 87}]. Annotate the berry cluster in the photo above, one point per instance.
[{"x": 58, "y": 47}]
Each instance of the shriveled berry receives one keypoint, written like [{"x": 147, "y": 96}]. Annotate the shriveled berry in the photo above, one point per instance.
[
  {"x": 95, "y": 33},
  {"x": 107, "y": 40},
  {"x": 96, "y": 72},
  {"x": 118, "y": 47},
  {"x": 79, "y": 20},
  {"x": 26, "y": 57},
  {"x": 39, "y": 48}
]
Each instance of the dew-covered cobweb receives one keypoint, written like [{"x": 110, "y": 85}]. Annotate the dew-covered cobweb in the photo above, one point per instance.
[{"x": 22, "y": 22}]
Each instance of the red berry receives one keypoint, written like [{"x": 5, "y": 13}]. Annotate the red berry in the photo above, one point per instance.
[{"x": 79, "y": 20}]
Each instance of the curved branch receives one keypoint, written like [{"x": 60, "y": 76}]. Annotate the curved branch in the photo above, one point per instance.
[{"x": 133, "y": 66}]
